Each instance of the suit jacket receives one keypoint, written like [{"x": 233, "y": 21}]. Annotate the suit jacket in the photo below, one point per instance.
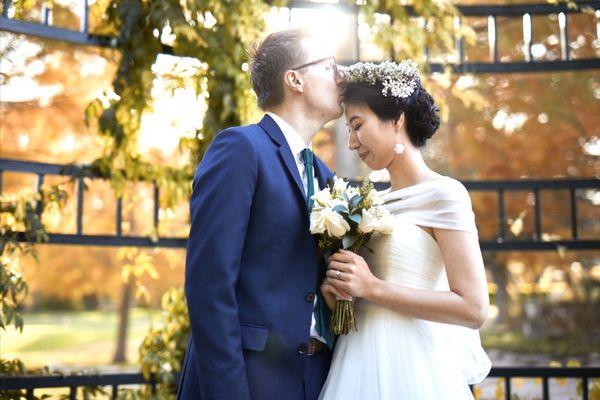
[{"x": 251, "y": 269}]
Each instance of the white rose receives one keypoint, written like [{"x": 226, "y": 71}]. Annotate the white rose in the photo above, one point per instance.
[
  {"x": 386, "y": 223},
  {"x": 322, "y": 198},
  {"x": 335, "y": 224},
  {"x": 317, "y": 221},
  {"x": 368, "y": 222},
  {"x": 339, "y": 185}
]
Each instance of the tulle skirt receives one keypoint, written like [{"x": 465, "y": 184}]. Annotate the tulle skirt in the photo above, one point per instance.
[{"x": 397, "y": 357}]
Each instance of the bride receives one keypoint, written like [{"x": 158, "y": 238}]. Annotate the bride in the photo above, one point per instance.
[{"x": 422, "y": 294}]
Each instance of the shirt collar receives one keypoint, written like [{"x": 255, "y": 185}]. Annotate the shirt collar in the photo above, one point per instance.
[{"x": 292, "y": 137}]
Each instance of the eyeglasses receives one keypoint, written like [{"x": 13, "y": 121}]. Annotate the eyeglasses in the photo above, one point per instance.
[{"x": 308, "y": 64}]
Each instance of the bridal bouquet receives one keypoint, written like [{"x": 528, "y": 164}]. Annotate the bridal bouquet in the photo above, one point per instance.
[{"x": 346, "y": 217}]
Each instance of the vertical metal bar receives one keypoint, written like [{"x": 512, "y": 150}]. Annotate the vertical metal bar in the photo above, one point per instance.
[
  {"x": 1, "y": 173},
  {"x": 73, "y": 393},
  {"x": 7, "y": 4},
  {"x": 46, "y": 12},
  {"x": 156, "y": 205},
  {"x": 40, "y": 183},
  {"x": 29, "y": 394},
  {"x": 115, "y": 392},
  {"x": 501, "y": 216},
  {"x": 527, "y": 37},
  {"x": 573, "y": 201},
  {"x": 545, "y": 388},
  {"x": 119, "y": 217},
  {"x": 80, "y": 188},
  {"x": 493, "y": 38},
  {"x": 426, "y": 50},
  {"x": 538, "y": 216},
  {"x": 460, "y": 45},
  {"x": 356, "y": 38},
  {"x": 507, "y": 388},
  {"x": 565, "y": 47},
  {"x": 585, "y": 391},
  {"x": 84, "y": 17},
  {"x": 598, "y": 30}
]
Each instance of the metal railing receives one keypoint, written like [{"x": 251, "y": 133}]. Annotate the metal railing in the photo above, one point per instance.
[
  {"x": 28, "y": 384},
  {"x": 501, "y": 188},
  {"x": 491, "y": 12}
]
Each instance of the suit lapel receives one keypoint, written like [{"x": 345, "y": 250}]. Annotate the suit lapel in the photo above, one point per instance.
[{"x": 272, "y": 129}]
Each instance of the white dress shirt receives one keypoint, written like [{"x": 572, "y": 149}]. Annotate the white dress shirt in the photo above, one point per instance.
[{"x": 297, "y": 144}]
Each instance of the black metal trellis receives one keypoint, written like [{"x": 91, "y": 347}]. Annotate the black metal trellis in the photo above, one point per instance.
[
  {"x": 29, "y": 384},
  {"x": 501, "y": 243},
  {"x": 491, "y": 12},
  {"x": 82, "y": 36}
]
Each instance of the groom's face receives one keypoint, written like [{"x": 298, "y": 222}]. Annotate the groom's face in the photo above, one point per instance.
[{"x": 322, "y": 82}]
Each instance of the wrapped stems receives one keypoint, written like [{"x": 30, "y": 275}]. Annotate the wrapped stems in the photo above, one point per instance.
[{"x": 342, "y": 321}]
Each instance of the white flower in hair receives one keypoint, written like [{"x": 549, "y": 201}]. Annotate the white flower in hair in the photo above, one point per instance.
[{"x": 398, "y": 79}]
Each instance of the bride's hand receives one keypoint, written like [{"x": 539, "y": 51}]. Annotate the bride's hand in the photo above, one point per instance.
[
  {"x": 349, "y": 272},
  {"x": 331, "y": 294}
]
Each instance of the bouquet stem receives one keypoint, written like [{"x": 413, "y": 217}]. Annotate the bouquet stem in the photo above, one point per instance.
[{"x": 342, "y": 321}]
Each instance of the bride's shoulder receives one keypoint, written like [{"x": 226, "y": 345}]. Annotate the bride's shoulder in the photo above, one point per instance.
[{"x": 451, "y": 189}]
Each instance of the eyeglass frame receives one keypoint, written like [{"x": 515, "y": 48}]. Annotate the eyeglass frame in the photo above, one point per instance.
[{"x": 311, "y": 63}]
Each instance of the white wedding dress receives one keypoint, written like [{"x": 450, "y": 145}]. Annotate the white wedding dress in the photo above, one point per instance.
[{"x": 392, "y": 356}]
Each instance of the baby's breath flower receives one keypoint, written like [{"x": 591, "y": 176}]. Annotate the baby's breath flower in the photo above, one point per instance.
[{"x": 398, "y": 79}]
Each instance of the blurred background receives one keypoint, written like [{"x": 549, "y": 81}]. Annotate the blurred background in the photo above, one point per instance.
[{"x": 92, "y": 306}]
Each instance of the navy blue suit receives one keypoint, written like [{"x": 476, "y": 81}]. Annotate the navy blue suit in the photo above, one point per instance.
[{"x": 251, "y": 272}]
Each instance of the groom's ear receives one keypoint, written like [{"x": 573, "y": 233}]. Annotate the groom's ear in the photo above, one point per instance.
[{"x": 293, "y": 80}]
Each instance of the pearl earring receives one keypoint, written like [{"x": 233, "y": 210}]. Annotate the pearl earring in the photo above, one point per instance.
[{"x": 399, "y": 149}]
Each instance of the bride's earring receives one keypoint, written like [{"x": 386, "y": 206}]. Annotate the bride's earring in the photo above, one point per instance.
[{"x": 399, "y": 148}]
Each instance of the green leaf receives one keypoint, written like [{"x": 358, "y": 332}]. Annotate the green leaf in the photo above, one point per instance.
[
  {"x": 340, "y": 209},
  {"x": 356, "y": 218}
]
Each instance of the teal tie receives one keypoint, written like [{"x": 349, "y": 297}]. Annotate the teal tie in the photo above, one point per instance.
[
  {"x": 322, "y": 313},
  {"x": 307, "y": 157}
]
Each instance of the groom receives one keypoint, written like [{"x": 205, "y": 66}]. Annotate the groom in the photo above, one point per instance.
[{"x": 258, "y": 324}]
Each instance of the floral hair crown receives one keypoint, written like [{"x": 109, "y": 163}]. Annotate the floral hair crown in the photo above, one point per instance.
[{"x": 398, "y": 79}]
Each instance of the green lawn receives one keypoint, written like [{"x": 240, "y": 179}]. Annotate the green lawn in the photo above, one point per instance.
[{"x": 74, "y": 339}]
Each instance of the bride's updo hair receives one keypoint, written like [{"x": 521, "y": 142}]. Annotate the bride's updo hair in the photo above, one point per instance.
[{"x": 421, "y": 113}]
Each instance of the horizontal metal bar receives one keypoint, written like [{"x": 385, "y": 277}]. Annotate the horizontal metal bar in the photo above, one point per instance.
[
  {"x": 11, "y": 165},
  {"x": 49, "y": 381},
  {"x": 520, "y": 184},
  {"x": 511, "y": 67},
  {"x": 534, "y": 245},
  {"x": 140, "y": 241},
  {"x": 52, "y": 32},
  {"x": 549, "y": 372},
  {"x": 521, "y": 66},
  {"x": 468, "y": 10},
  {"x": 110, "y": 240}
]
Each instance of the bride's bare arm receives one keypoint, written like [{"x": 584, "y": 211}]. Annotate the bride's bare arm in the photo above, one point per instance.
[{"x": 466, "y": 303}]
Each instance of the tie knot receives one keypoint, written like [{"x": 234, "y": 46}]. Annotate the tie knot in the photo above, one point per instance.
[{"x": 307, "y": 156}]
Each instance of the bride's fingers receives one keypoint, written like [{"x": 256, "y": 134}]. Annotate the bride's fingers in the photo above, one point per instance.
[
  {"x": 338, "y": 266},
  {"x": 340, "y": 294},
  {"x": 341, "y": 257}
]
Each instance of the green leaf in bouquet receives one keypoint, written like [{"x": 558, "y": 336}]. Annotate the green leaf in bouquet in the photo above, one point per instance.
[
  {"x": 348, "y": 240},
  {"x": 340, "y": 208},
  {"x": 355, "y": 201},
  {"x": 356, "y": 218}
]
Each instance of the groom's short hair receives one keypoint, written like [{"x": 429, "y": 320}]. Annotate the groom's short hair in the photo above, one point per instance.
[{"x": 277, "y": 53}]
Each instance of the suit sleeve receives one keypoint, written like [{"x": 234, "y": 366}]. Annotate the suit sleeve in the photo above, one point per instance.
[{"x": 220, "y": 205}]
